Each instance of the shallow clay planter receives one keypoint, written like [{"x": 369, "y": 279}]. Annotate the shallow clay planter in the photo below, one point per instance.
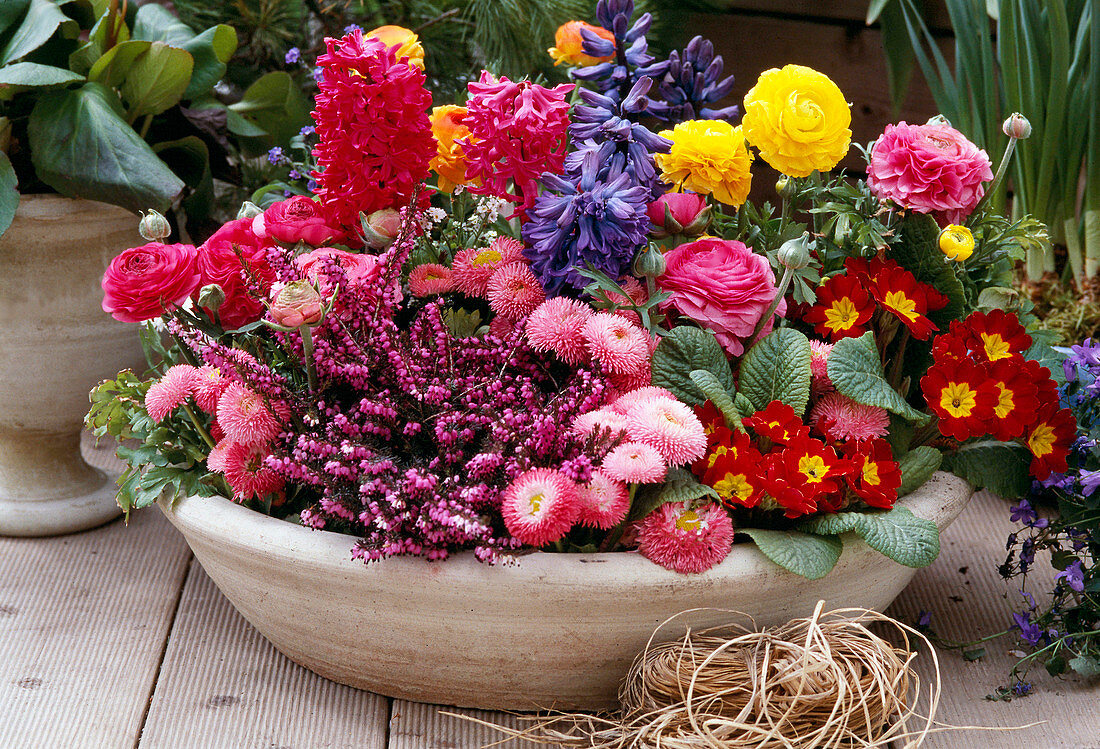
[
  {"x": 554, "y": 630},
  {"x": 56, "y": 343}
]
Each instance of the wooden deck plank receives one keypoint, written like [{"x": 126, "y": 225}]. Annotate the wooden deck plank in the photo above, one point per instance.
[
  {"x": 83, "y": 624},
  {"x": 414, "y": 725},
  {"x": 223, "y": 685}
]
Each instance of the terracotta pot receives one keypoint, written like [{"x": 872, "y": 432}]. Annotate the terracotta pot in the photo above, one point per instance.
[
  {"x": 553, "y": 630},
  {"x": 56, "y": 343}
]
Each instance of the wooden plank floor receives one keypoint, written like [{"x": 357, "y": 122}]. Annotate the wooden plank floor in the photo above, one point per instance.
[{"x": 117, "y": 638}]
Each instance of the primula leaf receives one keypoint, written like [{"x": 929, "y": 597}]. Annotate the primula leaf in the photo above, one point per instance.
[
  {"x": 680, "y": 486},
  {"x": 716, "y": 394},
  {"x": 810, "y": 556},
  {"x": 856, "y": 371},
  {"x": 918, "y": 252},
  {"x": 1001, "y": 467},
  {"x": 684, "y": 350},
  {"x": 897, "y": 534},
  {"x": 777, "y": 367},
  {"x": 917, "y": 466},
  {"x": 744, "y": 406}
]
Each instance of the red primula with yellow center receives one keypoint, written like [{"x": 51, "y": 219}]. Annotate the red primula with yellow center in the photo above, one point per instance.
[
  {"x": 785, "y": 486},
  {"x": 962, "y": 395},
  {"x": 813, "y": 466},
  {"x": 995, "y": 335},
  {"x": 1017, "y": 398},
  {"x": 1049, "y": 440},
  {"x": 843, "y": 308},
  {"x": 875, "y": 476},
  {"x": 737, "y": 476},
  {"x": 899, "y": 293},
  {"x": 778, "y": 422}
]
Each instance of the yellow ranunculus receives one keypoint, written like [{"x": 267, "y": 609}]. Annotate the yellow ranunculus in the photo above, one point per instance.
[
  {"x": 406, "y": 41},
  {"x": 798, "y": 119},
  {"x": 956, "y": 242},
  {"x": 449, "y": 161},
  {"x": 708, "y": 157}
]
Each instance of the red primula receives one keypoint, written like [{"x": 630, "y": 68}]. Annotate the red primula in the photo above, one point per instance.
[
  {"x": 898, "y": 292},
  {"x": 737, "y": 476},
  {"x": 786, "y": 487},
  {"x": 1017, "y": 397},
  {"x": 962, "y": 395},
  {"x": 778, "y": 422},
  {"x": 842, "y": 309},
  {"x": 813, "y": 465},
  {"x": 995, "y": 335},
  {"x": 875, "y": 476},
  {"x": 1049, "y": 440}
]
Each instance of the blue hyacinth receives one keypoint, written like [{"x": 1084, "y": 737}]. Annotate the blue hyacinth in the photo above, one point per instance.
[{"x": 691, "y": 83}]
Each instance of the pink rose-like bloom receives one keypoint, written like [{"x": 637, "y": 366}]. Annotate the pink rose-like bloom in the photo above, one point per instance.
[
  {"x": 722, "y": 285},
  {"x": 382, "y": 228},
  {"x": 297, "y": 304},
  {"x": 929, "y": 168},
  {"x": 359, "y": 269},
  {"x": 683, "y": 540},
  {"x": 540, "y": 506},
  {"x": 685, "y": 208},
  {"x": 142, "y": 281},
  {"x": 298, "y": 219},
  {"x": 219, "y": 263}
]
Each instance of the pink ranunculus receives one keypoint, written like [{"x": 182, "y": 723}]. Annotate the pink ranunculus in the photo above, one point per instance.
[
  {"x": 929, "y": 168},
  {"x": 143, "y": 281},
  {"x": 297, "y": 304},
  {"x": 722, "y": 285},
  {"x": 218, "y": 262},
  {"x": 359, "y": 269},
  {"x": 689, "y": 213},
  {"x": 298, "y": 219},
  {"x": 382, "y": 228}
]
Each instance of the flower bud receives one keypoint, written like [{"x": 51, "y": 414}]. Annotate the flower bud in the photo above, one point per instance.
[
  {"x": 795, "y": 253},
  {"x": 682, "y": 213},
  {"x": 380, "y": 228},
  {"x": 1017, "y": 126},
  {"x": 154, "y": 227},
  {"x": 249, "y": 210},
  {"x": 297, "y": 304},
  {"x": 956, "y": 242},
  {"x": 650, "y": 262},
  {"x": 784, "y": 187},
  {"x": 211, "y": 297}
]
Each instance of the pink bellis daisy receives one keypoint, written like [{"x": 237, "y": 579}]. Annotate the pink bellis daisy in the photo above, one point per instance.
[
  {"x": 618, "y": 344},
  {"x": 839, "y": 417},
  {"x": 245, "y": 417},
  {"x": 558, "y": 325},
  {"x": 501, "y": 326},
  {"x": 604, "y": 502},
  {"x": 669, "y": 427},
  {"x": 819, "y": 367},
  {"x": 171, "y": 391},
  {"x": 209, "y": 386},
  {"x": 540, "y": 506},
  {"x": 513, "y": 291},
  {"x": 601, "y": 418},
  {"x": 686, "y": 540},
  {"x": 473, "y": 268},
  {"x": 635, "y": 463},
  {"x": 246, "y": 472},
  {"x": 631, "y": 398},
  {"x": 429, "y": 279}
]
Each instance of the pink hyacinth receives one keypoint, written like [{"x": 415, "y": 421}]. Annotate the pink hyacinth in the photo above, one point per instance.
[
  {"x": 209, "y": 386},
  {"x": 604, "y": 502},
  {"x": 819, "y": 367},
  {"x": 839, "y": 417},
  {"x": 621, "y": 346},
  {"x": 624, "y": 402},
  {"x": 558, "y": 325},
  {"x": 429, "y": 279},
  {"x": 686, "y": 540},
  {"x": 540, "y": 506},
  {"x": 514, "y": 291},
  {"x": 635, "y": 463},
  {"x": 669, "y": 427},
  {"x": 930, "y": 168},
  {"x": 245, "y": 417},
  {"x": 244, "y": 469},
  {"x": 601, "y": 418},
  {"x": 171, "y": 391}
]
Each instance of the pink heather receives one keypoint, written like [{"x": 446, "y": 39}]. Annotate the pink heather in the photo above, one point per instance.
[
  {"x": 558, "y": 325},
  {"x": 839, "y": 417},
  {"x": 245, "y": 417},
  {"x": 623, "y": 403},
  {"x": 686, "y": 540},
  {"x": 669, "y": 427},
  {"x": 604, "y": 502},
  {"x": 429, "y": 279},
  {"x": 635, "y": 463},
  {"x": 171, "y": 391},
  {"x": 540, "y": 506},
  {"x": 621, "y": 346},
  {"x": 514, "y": 291}
]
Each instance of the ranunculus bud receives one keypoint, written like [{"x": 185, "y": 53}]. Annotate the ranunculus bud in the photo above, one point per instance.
[
  {"x": 154, "y": 227},
  {"x": 297, "y": 304},
  {"x": 956, "y": 242},
  {"x": 211, "y": 297},
  {"x": 1017, "y": 126},
  {"x": 380, "y": 228},
  {"x": 784, "y": 187},
  {"x": 683, "y": 213},
  {"x": 249, "y": 210},
  {"x": 650, "y": 262},
  {"x": 795, "y": 253}
]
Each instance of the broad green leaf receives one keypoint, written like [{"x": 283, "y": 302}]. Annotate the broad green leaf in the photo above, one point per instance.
[
  {"x": 900, "y": 535},
  {"x": 211, "y": 50},
  {"x": 856, "y": 371},
  {"x": 462, "y": 323},
  {"x": 110, "y": 29},
  {"x": 917, "y": 466},
  {"x": 717, "y": 394},
  {"x": 999, "y": 297},
  {"x": 276, "y": 104},
  {"x": 777, "y": 367},
  {"x": 680, "y": 486},
  {"x": 830, "y": 525},
  {"x": 9, "y": 192},
  {"x": 684, "y": 350},
  {"x": 189, "y": 159},
  {"x": 1001, "y": 467},
  {"x": 918, "y": 252},
  {"x": 42, "y": 20},
  {"x": 11, "y": 11},
  {"x": 83, "y": 148},
  {"x": 114, "y": 66},
  {"x": 238, "y": 125},
  {"x": 155, "y": 23},
  {"x": 744, "y": 406},
  {"x": 33, "y": 74},
  {"x": 895, "y": 46},
  {"x": 156, "y": 81},
  {"x": 810, "y": 556}
]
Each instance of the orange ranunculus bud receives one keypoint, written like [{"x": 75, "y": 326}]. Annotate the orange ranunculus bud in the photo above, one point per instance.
[
  {"x": 569, "y": 45},
  {"x": 449, "y": 129},
  {"x": 407, "y": 43}
]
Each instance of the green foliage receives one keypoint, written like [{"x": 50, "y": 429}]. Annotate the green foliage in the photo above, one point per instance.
[
  {"x": 918, "y": 252},
  {"x": 897, "y": 533},
  {"x": 462, "y": 323},
  {"x": 275, "y": 105},
  {"x": 917, "y": 466},
  {"x": 717, "y": 394},
  {"x": 856, "y": 370},
  {"x": 1001, "y": 467},
  {"x": 9, "y": 192},
  {"x": 777, "y": 367},
  {"x": 811, "y": 556},
  {"x": 680, "y": 486},
  {"x": 681, "y": 352}
]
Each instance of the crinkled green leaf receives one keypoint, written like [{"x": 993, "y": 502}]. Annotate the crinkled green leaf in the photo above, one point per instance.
[
  {"x": 900, "y": 535},
  {"x": 716, "y": 394},
  {"x": 917, "y": 466},
  {"x": 680, "y": 486},
  {"x": 1001, "y": 467},
  {"x": 684, "y": 350},
  {"x": 810, "y": 556},
  {"x": 777, "y": 367},
  {"x": 744, "y": 406},
  {"x": 856, "y": 371}
]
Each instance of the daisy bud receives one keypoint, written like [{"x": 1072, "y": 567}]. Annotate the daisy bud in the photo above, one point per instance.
[
  {"x": 795, "y": 253},
  {"x": 249, "y": 210},
  {"x": 154, "y": 227},
  {"x": 1017, "y": 126},
  {"x": 956, "y": 242},
  {"x": 211, "y": 297}
]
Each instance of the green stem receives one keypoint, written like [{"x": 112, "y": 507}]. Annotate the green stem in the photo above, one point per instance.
[
  {"x": 307, "y": 354},
  {"x": 997, "y": 178},
  {"x": 198, "y": 426},
  {"x": 145, "y": 126},
  {"x": 784, "y": 284}
]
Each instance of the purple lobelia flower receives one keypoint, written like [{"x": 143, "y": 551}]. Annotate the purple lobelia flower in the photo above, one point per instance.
[
  {"x": 1074, "y": 576},
  {"x": 1030, "y": 632}
]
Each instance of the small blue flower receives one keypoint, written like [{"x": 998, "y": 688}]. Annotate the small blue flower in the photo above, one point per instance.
[
  {"x": 1074, "y": 575},
  {"x": 275, "y": 155},
  {"x": 318, "y": 74},
  {"x": 352, "y": 27},
  {"x": 294, "y": 174},
  {"x": 924, "y": 618},
  {"x": 1030, "y": 632},
  {"x": 293, "y": 55},
  {"x": 1021, "y": 688},
  {"x": 1023, "y": 513},
  {"x": 307, "y": 130}
]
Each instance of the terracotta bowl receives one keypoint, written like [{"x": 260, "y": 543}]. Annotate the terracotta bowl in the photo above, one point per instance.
[{"x": 553, "y": 630}]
